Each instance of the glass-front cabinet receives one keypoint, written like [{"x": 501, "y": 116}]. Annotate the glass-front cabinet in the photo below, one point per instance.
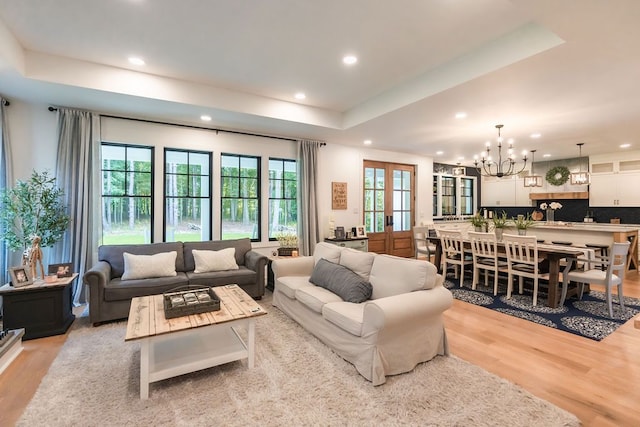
[{"x": 454, "y": 196}]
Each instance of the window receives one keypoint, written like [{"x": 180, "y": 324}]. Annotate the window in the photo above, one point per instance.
[
  {"x": 240, "y": 197},
  {"x": 466, "y": 196},
  {"x": 187, "y": 196},
  {"x": 374, "y": 202},
  {"x": 127, "y": 201},
  {"x": 283, "y": 201}
]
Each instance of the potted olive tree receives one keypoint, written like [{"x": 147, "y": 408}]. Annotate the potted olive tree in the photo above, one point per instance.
[{"x": 33, "y": 208}]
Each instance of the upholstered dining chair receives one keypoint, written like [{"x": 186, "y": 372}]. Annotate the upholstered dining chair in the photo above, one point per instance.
[
  {"x": 522, "y": 261},
  {"x": 484, "y": 248},
  {"x": 421, "y": 242},
  {"x": 453, "y": 253},
  {"x": 610, "y": 274}
]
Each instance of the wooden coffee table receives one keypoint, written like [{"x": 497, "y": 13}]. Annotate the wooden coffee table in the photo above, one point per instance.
[{"x": 172, "y": 347}]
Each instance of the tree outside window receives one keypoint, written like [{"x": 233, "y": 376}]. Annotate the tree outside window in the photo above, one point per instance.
[
  {"x": 283, "y": 197},
  {"x": 187, "y": 201},
  {"x": 240, "y": 197},
  {"x": 127, "y": 196}
]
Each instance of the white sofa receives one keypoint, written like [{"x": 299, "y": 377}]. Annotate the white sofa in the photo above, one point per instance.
[{"x": 398, "y": 327}]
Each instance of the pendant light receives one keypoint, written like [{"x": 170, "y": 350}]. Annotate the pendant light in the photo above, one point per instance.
[
  {"x": 580, "y": 178},
  {"x": 533, "y": 180}
]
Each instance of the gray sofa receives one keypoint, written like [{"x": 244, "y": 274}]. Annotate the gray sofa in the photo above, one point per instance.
[{"x": 110, "y": 296}]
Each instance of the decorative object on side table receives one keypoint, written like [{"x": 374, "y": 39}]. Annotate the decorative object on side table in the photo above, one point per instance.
[
  {"x": 33, "y": 209},
  {"x": 20, "y": 276},
  {"x": 61, "y": 270},
  {"x": 522, "y": 223},
  {"x": 550, "y": 209},
  {"x": 288, "y": 243}
]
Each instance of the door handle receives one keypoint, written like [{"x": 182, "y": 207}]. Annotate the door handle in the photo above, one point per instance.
[{"x": 389, "y": 220}]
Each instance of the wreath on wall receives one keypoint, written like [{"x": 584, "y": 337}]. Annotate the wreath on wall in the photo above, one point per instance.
[{"x": 557, "y": 175}]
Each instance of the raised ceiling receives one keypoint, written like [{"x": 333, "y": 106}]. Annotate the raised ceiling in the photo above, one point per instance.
[{"x": 566, "y": 70}]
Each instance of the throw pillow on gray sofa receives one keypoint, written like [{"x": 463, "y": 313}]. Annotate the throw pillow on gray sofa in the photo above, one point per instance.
[{"x": 349, "y": 286}]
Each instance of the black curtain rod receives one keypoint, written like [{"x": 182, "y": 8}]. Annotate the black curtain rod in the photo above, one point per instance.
[{"x": 237, "y": 132}]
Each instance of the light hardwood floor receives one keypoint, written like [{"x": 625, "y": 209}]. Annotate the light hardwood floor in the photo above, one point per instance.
[{"x": 597, "y": 381}]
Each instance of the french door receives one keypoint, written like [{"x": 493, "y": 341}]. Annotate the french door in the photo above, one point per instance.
[{"x": 389, "y": 207}]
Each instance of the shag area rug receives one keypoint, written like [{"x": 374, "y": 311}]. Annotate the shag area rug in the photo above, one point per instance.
[
  {"x": 588, "y": 317},
  {"x": 297, "y": 381}
]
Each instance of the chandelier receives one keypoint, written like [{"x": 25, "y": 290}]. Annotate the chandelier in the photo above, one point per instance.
[{"x": 487, "y": 166}]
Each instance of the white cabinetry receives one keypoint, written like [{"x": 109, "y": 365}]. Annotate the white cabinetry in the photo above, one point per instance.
[
  {"x": 614, "y": 182},
  {"x": 506, "y": 191}
]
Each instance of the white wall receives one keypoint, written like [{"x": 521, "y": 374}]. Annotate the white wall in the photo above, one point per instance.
[
  {"x": 339, "y": 163},
  {"x": 32, "y": 130}
]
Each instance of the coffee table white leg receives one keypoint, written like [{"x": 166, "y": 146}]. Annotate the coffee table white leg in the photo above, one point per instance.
[
  {"x": 252, "y": 342},
  {"x": 144, "y": 368}
]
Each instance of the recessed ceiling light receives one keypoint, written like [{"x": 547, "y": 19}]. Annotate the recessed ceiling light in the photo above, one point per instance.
[
  {"x": 625, "y": 145},
  {"x": 367, "y": 142},
  {"x": 205, "y": 118},
  {"x": 536, "y": 135},
  {"x": 546, "y": 155},
  {"x": 439, "y": 153},
  {"x": 300, "y": 95},
  {"x": 136, "y": 61},
  {"x": 461, "y": 115},
  {"x": 349, "y": 59}
]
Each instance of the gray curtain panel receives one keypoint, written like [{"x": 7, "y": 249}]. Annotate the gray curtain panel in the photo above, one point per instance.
[
  {"x": 6, "y": 178},
  {"x": 78, "y": 175},
  {"x": 308, "y": 229}
]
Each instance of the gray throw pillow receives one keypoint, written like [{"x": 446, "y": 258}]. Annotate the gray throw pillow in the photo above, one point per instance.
[{"x": 345, "y": 283}]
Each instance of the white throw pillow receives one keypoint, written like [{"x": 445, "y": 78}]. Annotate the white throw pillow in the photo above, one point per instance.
[
  {"x": 391, "y": 275},
  {"x": 327, "y": 251},
  {"x": 162, "y": 264},
  {"x": 357, "y": 261},
  {"x": 206, "y": 261}
]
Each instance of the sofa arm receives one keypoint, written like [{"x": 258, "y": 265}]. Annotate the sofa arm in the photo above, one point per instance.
[
  {"x": 98, "y": 276},
  {"x": 293, "y": 266},
  {"x": 255, "y": 261},
  {"x": 405, "y": 309}
]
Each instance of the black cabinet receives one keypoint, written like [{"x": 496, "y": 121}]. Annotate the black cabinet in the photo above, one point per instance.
[{"x": 42, "y": 309}]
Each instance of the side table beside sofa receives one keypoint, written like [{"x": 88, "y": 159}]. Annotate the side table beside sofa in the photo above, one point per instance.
[{"x": 110, "y": 295}]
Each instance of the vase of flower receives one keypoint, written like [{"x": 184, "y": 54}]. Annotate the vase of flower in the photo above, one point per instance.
[
  {"x": 550, "y": 215},
  {"x": 550, "y": 210}
]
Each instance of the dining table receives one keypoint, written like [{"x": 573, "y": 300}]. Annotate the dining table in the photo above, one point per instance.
[{"x": 552, "y": 252}]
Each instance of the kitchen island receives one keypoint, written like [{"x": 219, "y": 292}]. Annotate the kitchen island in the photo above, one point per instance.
[{"x": 576, "y": 233}]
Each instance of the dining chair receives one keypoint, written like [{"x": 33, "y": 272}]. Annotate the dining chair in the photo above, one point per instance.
[
  {"x": 453, "y": 253},
  {"x": 484, "y": 248},
  {"x": 522, "y": 261},
  {"x": 421, "y": 243},
  {"x": 610, "y": 274}
]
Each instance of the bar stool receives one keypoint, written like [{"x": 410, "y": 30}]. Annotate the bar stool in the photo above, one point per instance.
[{"x": 600, "y": 250}]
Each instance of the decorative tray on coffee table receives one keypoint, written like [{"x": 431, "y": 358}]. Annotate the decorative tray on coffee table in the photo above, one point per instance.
[{"x": 190, "y": 301}]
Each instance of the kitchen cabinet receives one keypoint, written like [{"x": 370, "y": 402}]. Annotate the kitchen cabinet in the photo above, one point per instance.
[
  {"x": 613, "y": 183},
  {"x": 506, "y": 191}
]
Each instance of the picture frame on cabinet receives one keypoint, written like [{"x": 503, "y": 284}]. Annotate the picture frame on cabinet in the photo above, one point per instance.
[
  {"x": 20, "y": 276},
  {"x": 340, "y": 234},
  {"x": 360, "y": 231}
]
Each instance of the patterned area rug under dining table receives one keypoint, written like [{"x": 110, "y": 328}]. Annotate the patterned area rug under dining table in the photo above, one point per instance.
[{"x": 588, "y": 317}]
